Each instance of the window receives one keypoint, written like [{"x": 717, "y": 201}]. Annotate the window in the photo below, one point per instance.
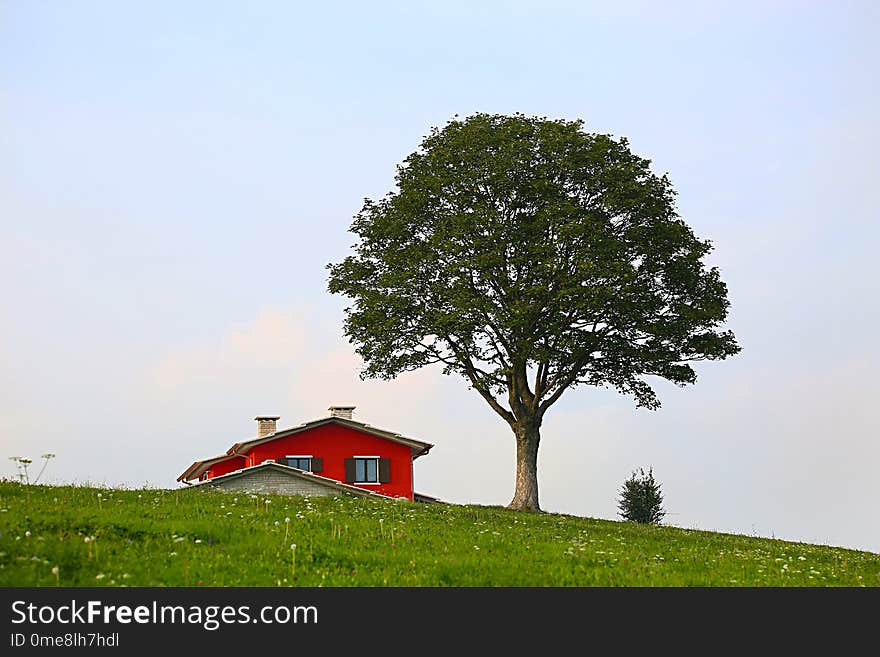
[
  {"x": 366, "y": 470},
  {"x": 300, "y": 462}
]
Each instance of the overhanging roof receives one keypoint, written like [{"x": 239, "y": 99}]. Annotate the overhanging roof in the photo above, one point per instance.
[
  {"x": 417, "y": 447},
  {"x": 196, "y": 469}
]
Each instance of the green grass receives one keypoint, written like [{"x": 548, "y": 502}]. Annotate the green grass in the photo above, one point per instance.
[{"x": 199, "y": 538}]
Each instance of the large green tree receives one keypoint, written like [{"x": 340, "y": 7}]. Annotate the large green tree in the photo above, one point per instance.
[{"x": 530, "y": 256}]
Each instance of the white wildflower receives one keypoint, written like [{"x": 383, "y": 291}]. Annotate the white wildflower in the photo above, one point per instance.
[{"x": 100, "y": 576}]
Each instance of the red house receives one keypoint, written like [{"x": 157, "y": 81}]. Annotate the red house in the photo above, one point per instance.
[{"x": 328, "y": 456}]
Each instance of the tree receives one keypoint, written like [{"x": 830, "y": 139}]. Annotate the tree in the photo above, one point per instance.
[
  {"x": 641, "y": 499},
  {"x": 529, "y": 257}
]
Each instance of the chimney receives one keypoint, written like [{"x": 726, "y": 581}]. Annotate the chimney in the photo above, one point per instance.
[
  {"x": 266, "y": 424},
  {"x": 345, "y": 412}
]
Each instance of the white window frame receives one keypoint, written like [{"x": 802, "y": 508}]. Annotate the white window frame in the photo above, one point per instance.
[
  {"x": 300, "y": 456},
  {"x": 368, "y": 483}
]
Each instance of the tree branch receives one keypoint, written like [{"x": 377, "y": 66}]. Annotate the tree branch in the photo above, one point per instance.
[
  {"x": 562, "y": 386},
  {"x": 478, "y": 384}
]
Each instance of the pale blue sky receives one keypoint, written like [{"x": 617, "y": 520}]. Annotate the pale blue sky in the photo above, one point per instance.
[{"x": 174, "y": 177}]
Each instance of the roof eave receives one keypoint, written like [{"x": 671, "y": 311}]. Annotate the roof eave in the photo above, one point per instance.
[
  {"x": 196, "y": 469},
  {"x": 422, "y": 447}
]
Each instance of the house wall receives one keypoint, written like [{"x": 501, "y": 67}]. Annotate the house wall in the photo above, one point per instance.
[
  {"x": 227, "y": 466},
  {"x": 267, "y": 481},
  {"x": 334, "y": 443}
]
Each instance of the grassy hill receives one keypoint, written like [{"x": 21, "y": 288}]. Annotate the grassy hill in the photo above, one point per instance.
[{"x": 76, "y": 536}]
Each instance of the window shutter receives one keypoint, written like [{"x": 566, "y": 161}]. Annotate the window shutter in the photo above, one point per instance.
[
  {"x": 283, "y": 460},
  {"x": 384, "y": 470},
  {"x": 317, "y": 464},
  {"x": 349, "y": 471}
]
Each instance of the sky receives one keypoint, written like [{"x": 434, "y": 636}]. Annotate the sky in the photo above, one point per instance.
[{"x": 174, "y": 177}]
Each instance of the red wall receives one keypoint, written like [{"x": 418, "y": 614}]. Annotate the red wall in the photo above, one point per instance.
[
  {"x": 227, "y": 466},
  {"x": 334, "y": 443}
]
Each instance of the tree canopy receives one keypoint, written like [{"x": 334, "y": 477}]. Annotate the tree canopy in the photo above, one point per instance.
[{"x": 530, "y": 256}]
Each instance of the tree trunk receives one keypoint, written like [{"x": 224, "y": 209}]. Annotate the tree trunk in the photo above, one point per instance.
[{"x": 525, "y": 496}]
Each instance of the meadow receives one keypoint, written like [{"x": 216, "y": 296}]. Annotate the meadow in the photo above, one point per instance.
[{"x": 82, "y": 536}]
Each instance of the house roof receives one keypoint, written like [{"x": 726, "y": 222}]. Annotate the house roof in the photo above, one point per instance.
[
  {"x": 296, "y": 473},
  {"x": 198, "y": 467},
  {"x": 422, "y": 497},
  {"x": 417, "y": 447}
]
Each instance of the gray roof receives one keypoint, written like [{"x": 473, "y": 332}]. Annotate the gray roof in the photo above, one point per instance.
[
  {"x": 418, "y": 447},
  {"x": 201, "y": 466}
]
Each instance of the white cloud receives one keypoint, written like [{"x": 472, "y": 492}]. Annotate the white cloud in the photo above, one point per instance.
[{"x": 271, "y": 342}]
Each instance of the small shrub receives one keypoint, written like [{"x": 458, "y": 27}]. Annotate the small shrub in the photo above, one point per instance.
[{"x": 641, "y": 499}]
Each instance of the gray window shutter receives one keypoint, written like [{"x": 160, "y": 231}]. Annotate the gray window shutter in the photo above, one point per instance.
[
  {"x": 317, "y": 464},
  {"x": 384, "y": 470},
  {"x": 349, "y": 471},
  {"x": 283, "y": 460}
]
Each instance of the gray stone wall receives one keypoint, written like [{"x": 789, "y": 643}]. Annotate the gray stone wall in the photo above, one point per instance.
[{"x": 279, "y": 483}]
